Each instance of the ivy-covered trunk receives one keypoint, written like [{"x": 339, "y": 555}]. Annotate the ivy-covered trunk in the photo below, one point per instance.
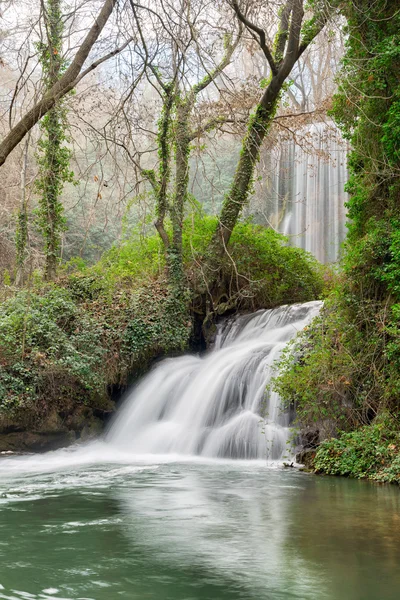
[
  {"x": 164, "y": 152},
  {"x": 54, "y": 155},
  {"x": 182, "y": 151},
  {"x": 51, "y": 207},
  {"x": 241, "y": 186}
]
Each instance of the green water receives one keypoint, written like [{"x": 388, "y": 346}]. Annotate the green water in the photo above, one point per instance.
[{"x": 74, "y": 528}]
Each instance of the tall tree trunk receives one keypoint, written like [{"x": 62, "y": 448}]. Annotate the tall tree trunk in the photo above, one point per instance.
[
  {"x": 22, "y": 224},
  {"x": 52, "y": 208},
  {"x": 182, "y": 152},
  {"x": 54, "y": 163},
  {"x": 241, "y": 186},
  {"x": 164, "y": 150}
]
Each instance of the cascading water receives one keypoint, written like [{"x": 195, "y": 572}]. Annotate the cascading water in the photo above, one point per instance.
[
  {"x": 216, "y": 406},
  {"x": 302, "y": 194}
]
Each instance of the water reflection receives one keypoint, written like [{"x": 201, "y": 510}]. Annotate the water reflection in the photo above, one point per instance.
[{"x": 193, "y": 531}]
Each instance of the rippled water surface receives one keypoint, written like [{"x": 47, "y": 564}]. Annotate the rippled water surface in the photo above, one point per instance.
[{"x": 76, "y": 525}]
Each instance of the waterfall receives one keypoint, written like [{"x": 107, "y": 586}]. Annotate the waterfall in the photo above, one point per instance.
[
  {"x": 302, "y": 194},
  {"x": 217, "y": 405}
]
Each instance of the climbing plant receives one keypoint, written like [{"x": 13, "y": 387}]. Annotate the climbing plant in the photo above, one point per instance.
[{"x": 53, "y": 153}]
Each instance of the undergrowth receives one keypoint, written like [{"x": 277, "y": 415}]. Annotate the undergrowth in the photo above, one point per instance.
[
  {"x": 72, "y": 341},
  {"x": 370, "y": 452}
]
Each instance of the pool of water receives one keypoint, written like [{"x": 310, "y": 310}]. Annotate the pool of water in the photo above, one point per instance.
[{"x": 82, "y": 525}]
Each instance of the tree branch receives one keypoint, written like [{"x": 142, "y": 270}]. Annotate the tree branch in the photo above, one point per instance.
[
  {"x": 59, "y": 89},
  {"x": 212, "y": 75},
  {"x": 292, "y": 54},
  {"x": 320, "y": 21},
  {"x": 283, "y": 32},
  {"x": 98, "y": 62},
  {"x": 261, "y": 35}
]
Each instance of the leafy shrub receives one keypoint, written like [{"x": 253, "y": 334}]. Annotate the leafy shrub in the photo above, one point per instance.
[
  {"x": 160, "y": 323},
  {"x": 46, "y": 333},
  {"x": 371, "y": 452},
  {"x": 259, "y": 269}
]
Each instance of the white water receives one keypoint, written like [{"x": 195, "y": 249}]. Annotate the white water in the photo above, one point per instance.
[
  {"x": 303, "y": 195},
  {"x": 216, "y": 406}
]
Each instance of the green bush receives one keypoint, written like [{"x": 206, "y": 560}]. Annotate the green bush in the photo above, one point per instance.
[
  {"x": 42, "y": 334},
  {"x": 371, "y": 452},
  {"x": 259, "y": 270}
]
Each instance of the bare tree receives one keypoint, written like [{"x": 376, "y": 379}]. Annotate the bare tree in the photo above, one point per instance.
[{"x": 67, "y": 82}]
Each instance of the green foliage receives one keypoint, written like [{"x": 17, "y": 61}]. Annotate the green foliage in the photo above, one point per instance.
[
  {"x": 342, "y": 374},
  {"x": 137, "y": 259},
  {"x": 44, "y": 336},
  {"x": 371, "y": 452},
  {"x": 260, "y": 270},
  {"x": 368, "y": 110},
  {"x": 276, "y": 272},
  {"x": 160, "y": 324}
]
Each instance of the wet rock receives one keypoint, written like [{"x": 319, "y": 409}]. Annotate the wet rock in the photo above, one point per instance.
[
  {"x": 306, "y": 458},
  {"x": 26, "y": 441},
  {"x": 53, "y": 423},
  {"x": 309, "y": 438},
  {"x": 57, "y": 429},
  {"x": 91, "y": 430}
]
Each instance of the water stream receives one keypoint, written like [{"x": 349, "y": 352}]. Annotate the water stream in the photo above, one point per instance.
[
  {"x": 83, "y": 526},
  {"x": 186, "y": 498}
]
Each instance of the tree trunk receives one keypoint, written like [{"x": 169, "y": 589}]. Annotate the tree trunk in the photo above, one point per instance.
[
  {"x": 182, "y": 173},
  {"x": 54, "y": 163},
  {"x": 22, "y": 225},
  {"x": 164, "y": 149},
  {"x": 182, "y": 152},
  {"x": 238, "y": 194}
]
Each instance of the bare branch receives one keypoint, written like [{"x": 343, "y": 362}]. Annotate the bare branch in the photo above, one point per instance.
[
  {"x": 262, "y": 39},
  {"x": 65, "y": 84}
]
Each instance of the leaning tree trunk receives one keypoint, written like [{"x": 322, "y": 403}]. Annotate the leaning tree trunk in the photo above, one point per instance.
[
  {"x": 290, "y": 43},
  {"x": 241, "y": 186},
  {"x": 65, "y": 84}
]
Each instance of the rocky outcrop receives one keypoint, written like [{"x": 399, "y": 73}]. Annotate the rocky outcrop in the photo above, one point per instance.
[
  {"x": 309, "y": 440},
  {"x": 56, "y": 430}
]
